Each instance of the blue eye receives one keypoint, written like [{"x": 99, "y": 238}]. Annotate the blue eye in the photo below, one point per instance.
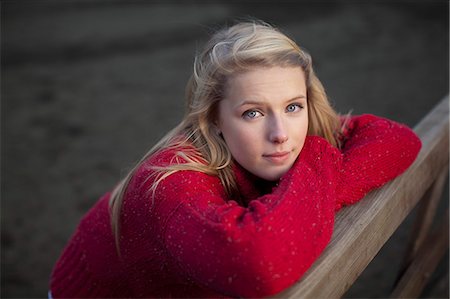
[
  {"x": 251, "y": 114},
  {"x": 293, "y": 107}
]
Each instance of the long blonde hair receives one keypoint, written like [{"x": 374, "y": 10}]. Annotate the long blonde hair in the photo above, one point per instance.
[{"x": 238, "y": 48}]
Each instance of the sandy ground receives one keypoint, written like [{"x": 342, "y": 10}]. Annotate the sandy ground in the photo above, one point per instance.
[{"x": 88, "y": 86}]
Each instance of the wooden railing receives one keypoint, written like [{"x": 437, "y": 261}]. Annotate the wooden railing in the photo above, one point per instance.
[{"x": 362, "y": 229}]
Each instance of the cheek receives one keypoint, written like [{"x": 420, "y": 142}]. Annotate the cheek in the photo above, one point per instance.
[
  {"x": 300, "y": 131},
  {"x": 239, "y": 140},
  {"x": 242, "y": 142},
  {"x": 305, "y": 125},
  {"x": 304, "y": 130}
]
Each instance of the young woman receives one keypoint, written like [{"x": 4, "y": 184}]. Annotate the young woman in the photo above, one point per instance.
[{"x": 239, "y": 199}]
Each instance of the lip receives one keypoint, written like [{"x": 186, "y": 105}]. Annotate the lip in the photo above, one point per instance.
[{"x": 277, "y": 157}]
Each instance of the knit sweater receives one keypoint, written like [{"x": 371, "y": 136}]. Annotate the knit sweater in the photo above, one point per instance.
[{"x": 190, "y": 240}]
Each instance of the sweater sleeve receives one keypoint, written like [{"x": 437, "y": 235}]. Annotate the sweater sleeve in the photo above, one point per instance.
[
  {"x": 257, "y": 250},
  {"x": 375, "y": 150}
]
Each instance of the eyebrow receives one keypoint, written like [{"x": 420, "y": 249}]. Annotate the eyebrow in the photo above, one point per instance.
[{"x": 252, "y": 102}]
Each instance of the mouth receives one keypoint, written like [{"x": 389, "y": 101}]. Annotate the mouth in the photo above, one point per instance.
[{"x": 277, "y": 157}]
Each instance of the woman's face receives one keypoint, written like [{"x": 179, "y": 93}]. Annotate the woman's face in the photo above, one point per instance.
[{"x": 264, "y": 119}]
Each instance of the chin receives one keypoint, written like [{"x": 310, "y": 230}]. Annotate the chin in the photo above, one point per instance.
[{"x": 273, "y": 176}]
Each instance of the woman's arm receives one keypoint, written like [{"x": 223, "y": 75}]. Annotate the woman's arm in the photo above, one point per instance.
[
  {"x": 253, "y": 251},
  {"x": 375, "y": 151}
]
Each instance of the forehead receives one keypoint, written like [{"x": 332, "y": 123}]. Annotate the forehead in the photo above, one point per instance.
[{"x": 266, "y": 82}]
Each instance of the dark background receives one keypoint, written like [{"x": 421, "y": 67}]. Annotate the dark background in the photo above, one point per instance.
[{"x": 88, "y": 86}]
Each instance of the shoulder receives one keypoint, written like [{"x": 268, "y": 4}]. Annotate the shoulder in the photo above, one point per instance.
[
  {"x": 317, "y": 148},
  {"x": 365, "y": 128},
  {"x": 172, "y": 168},
  {"x": 365, "y": 121},
  {"x": 353, "y": 123},
  {"x": 166, "y": 157},
  {"x": 318, "y": 156}
]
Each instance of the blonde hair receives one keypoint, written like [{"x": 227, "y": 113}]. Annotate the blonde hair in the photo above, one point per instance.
[{"x": 238, "y": 48}]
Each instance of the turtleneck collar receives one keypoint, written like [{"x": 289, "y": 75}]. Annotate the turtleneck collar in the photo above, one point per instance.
[{"x": 250, "y": 186}]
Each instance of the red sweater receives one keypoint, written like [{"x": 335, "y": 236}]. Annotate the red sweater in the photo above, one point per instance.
[{"x": 193, "y": 241}]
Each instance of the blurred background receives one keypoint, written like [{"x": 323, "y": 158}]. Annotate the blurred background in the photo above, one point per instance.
[{"x": 88, "y": 87}]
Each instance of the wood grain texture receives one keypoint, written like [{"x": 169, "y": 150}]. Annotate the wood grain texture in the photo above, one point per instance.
[{"x": 362, "y": 229}]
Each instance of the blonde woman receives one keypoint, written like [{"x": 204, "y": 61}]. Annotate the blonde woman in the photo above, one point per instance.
[{"x": 239, "y": 199}]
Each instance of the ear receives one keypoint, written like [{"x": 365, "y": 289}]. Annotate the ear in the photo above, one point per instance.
[
  {"x": 216, "y": 127},
  {"x": 217, "y": 130}
]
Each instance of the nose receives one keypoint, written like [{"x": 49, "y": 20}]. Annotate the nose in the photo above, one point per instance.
[{"x": 277, "y": 131}]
